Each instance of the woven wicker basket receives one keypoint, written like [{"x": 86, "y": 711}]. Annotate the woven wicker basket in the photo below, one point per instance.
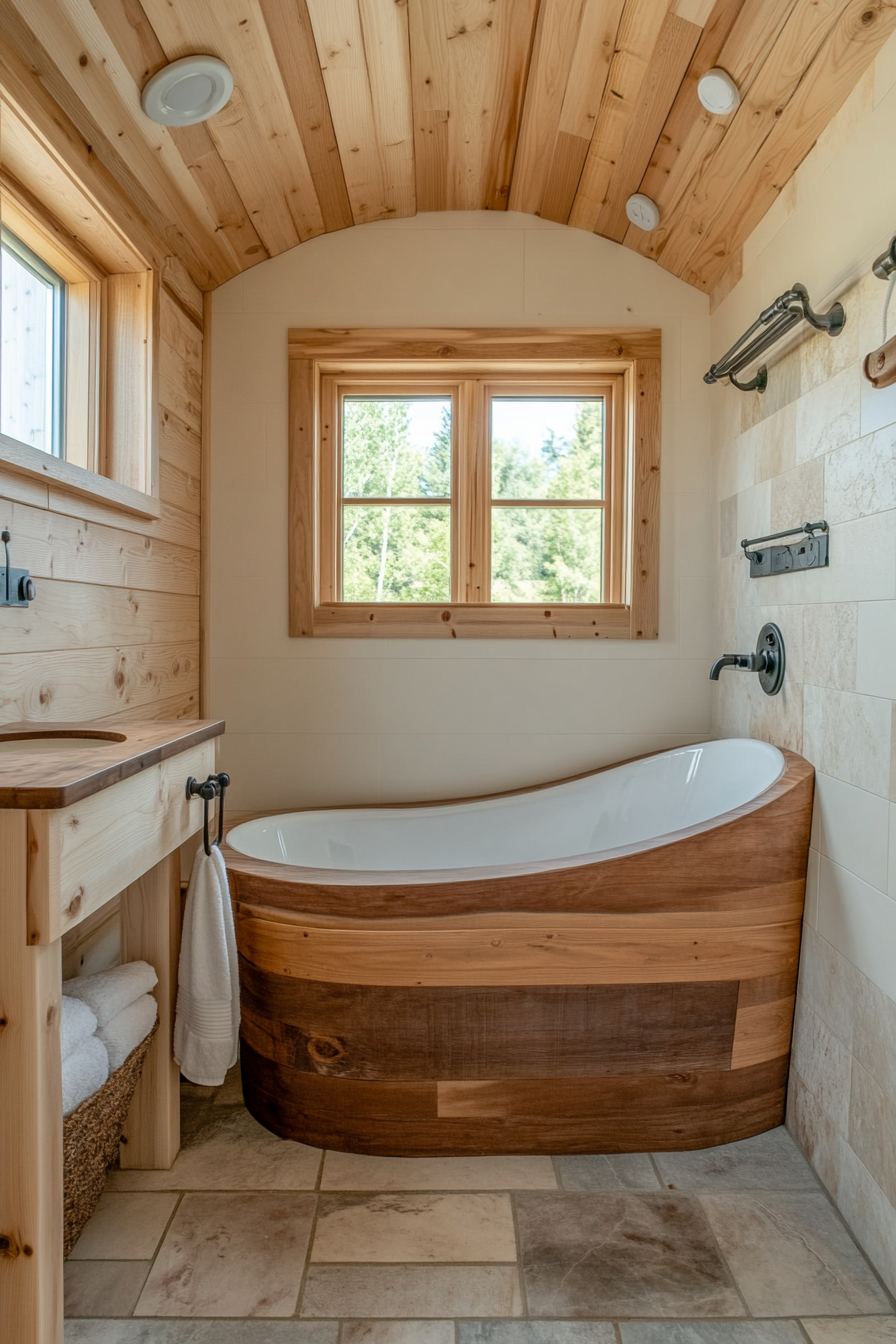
[{"x": 90, "y": 1139}]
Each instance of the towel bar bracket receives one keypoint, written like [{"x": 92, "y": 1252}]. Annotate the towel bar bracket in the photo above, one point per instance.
[
  {"x": 213, "y": 787},
  {"x": 810, "y": 552}
]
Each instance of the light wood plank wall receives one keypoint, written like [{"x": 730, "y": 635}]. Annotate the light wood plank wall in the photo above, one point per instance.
[{"x": 114, "y": 629}]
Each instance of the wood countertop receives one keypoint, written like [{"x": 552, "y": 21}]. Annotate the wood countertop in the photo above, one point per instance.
[{"x": 51, "y": 778}]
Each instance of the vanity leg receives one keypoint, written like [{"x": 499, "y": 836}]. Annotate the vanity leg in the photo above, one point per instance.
[
  {"x": 150, "y": 931},
  {"x": 30, "y": 1110}
]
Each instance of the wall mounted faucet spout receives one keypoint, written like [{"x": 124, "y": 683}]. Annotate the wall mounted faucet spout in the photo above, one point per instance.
[{"x": 768, "y": 660}]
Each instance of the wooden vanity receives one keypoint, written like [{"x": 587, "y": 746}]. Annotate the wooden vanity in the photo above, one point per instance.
[{"x": 88, "y": 812}]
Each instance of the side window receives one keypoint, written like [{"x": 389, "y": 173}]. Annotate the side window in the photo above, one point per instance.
[{"x": 32, "y": 330}]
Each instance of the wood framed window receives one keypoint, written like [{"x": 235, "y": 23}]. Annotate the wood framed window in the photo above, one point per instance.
[
  {"x": 82, "y": 415},
  {"x": 491, "y": 483}
]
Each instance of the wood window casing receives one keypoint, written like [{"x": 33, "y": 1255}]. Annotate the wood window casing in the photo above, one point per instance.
[
  {"x": 472, "y": 366},
  {"x": 109, "y": 417}
]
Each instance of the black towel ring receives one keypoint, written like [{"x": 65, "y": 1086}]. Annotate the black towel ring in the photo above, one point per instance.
[{"x": 213, "y": 787}]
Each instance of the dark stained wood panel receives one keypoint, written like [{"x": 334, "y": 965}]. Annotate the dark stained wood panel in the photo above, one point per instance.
[
  {"x": 630, "y": 1114},
  {"x": 522, "y": 1031}
]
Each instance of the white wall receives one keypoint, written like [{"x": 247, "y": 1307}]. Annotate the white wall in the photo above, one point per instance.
[
  {"x": 822, "y": 443},
  {"x": 335, "y": 721}
]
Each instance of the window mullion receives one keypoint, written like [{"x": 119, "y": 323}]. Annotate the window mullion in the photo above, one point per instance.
[{"x": 473, "y": 494}]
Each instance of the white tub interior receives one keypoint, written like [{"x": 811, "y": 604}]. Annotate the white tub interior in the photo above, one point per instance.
[{"x": 558, "y": 825}]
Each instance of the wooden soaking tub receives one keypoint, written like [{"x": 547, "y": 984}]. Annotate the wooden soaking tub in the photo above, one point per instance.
[{"x": 606, "y": 964}]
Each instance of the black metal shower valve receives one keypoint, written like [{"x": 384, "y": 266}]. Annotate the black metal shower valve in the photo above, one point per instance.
[{"x": 16, "y": 585}]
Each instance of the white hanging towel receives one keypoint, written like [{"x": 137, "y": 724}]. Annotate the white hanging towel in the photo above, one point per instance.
[{"x": 207, "y": 1019}]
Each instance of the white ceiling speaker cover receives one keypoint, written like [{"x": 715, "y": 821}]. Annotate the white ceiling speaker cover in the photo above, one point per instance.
[
  {"x": 187, "y": 91},
  {"x": 642, "y": 211},
  {"x": 718, "y": 92}
]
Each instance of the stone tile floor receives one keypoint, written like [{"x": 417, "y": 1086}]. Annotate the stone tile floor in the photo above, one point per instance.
[{"x": 253, "y": 1240}]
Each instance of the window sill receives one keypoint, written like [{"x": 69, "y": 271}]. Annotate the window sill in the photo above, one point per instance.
[
  {"x": 31, "y": 462},
  {"x": 474, "y": 620}
]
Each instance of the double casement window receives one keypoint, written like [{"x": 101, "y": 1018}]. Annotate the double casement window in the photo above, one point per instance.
[{"x": 491, "y": 483}]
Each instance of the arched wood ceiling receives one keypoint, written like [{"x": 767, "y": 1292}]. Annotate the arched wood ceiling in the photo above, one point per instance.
[{"x": 347, "y": 111}]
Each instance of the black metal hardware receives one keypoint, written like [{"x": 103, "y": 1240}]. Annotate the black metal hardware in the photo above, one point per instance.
[
  {"x": 769, "y": 660},
  {"x": 787, "y": 311},
  {"x": 809, "y": 553},
  {"x": 16, "y": 585},
  {"x": 885, "y": 264},
  {"x": 213, "y": 787}
]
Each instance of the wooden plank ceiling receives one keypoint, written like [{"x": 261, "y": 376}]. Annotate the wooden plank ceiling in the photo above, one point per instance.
[{"x": 347, "y": 111}]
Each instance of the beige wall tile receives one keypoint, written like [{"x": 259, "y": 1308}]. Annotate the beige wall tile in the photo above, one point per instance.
[
  {"x": 863, "y": 567},
  {"x": 798, "y": 496},
  {"x": 860, "y": 922},
  {"x": 830, "y": 985},
  {"x": 828, "y": 416},
  {"x": 823, "y": 1063},
  {"x": 829, "y": 644},
  {"x": 869, "y": 1213},
  {"x": 872, "y": 1129},
  {"x": 853, "y": 828},
  {"x": 860, "y": 479},
  {"x": 814, "y": 1131},
  {"x": 848, "y": 736},
  {"x": 876, "y": 649},
  {"x": 875, "y": 1033}
]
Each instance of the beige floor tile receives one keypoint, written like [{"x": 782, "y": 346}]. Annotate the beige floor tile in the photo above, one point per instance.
[
  {"x": 230, "y": 1152},
  {"x": 400, "y": 1228},
  {"x": 398, "y": 1332},
  {"x": 231, "y": 1091},
  {"x": 792, "y": 1256},
  {"x": 201, "y": 1332},
  {"x": 427, "y": 1291},
  {"x": 125, "y": 1227},
  {"x": 358, "y": 1171},
  {"x": 859, "y": 1330},
  {"x": 102, "y": 1287},
  {"x": 231, "y": 1255}
]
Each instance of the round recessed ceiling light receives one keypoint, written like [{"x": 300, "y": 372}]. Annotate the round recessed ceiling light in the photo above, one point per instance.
[
  {"x": 187, "y": 91},
  {"x": 718, "y": 92},
  {"x": 642, "y": 211}
]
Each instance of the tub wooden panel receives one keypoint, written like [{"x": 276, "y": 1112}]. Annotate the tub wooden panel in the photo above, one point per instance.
[{"x": 642, "y": 1001}]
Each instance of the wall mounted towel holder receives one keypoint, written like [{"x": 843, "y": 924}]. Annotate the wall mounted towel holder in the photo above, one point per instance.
[
  {"x": 787, "y": 311},
  {"x": 213, "y": 787},
  {"x": 16, "y": 585},
  {"x": 811, "y": 552}
]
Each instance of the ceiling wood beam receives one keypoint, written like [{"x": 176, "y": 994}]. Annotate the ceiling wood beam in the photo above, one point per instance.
[
  {"x": 668, "y": 65},
  {"x": 846, "y": 53},
  {"x": 639, "y": 33},
  {"x": 292, "y": 38},
  {"x": 256, "y": 133}
]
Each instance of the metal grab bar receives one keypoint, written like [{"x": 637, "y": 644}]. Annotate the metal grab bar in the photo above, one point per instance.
[
  {"x": 786, "y": 312},
  {"x": 213, "y": 787}
]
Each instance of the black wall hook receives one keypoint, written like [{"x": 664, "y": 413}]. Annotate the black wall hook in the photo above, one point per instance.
[{"x": 213, "y": 787}]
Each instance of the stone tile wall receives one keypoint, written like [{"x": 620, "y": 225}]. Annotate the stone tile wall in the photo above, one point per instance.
[{"x": 822, "y": 443}]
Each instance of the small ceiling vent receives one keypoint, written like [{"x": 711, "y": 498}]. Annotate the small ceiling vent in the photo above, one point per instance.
[
  {"x": 187, "y": 91},
  {"x": 718, "y": 92}
]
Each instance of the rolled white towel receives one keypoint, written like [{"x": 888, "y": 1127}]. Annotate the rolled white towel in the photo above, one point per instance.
[
  {"x": 78, "y": 1025},
  {"x": 127, "y": 1029},
  {"x": 84, "y": 1073},
  {"x": 109, "y": 992}
]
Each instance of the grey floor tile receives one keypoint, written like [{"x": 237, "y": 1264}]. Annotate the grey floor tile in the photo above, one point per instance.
[
  {"x": 610, "y": 1171},
  {"x": 362, "y": 1171},
  {"x": 201, "y": 1332},
  {"x": 621, "y": 1254},
  {"x": 412, "y": 1291},
  {"x": 397, "y": 1332},
  {"x": 103, "y": 1287},
  {"x": 792, "y": 1255},
  {"x": 855, "y": 1330},
  {"x": 536, "y": 1332},
  {"x": 230, "y": 1151},
  {"x": 770, "y": 1161},
  {"x": 125, "y": 1226},
  {"x": 231, "y": 1255},
  {"x": 711, "y": 1332}
]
